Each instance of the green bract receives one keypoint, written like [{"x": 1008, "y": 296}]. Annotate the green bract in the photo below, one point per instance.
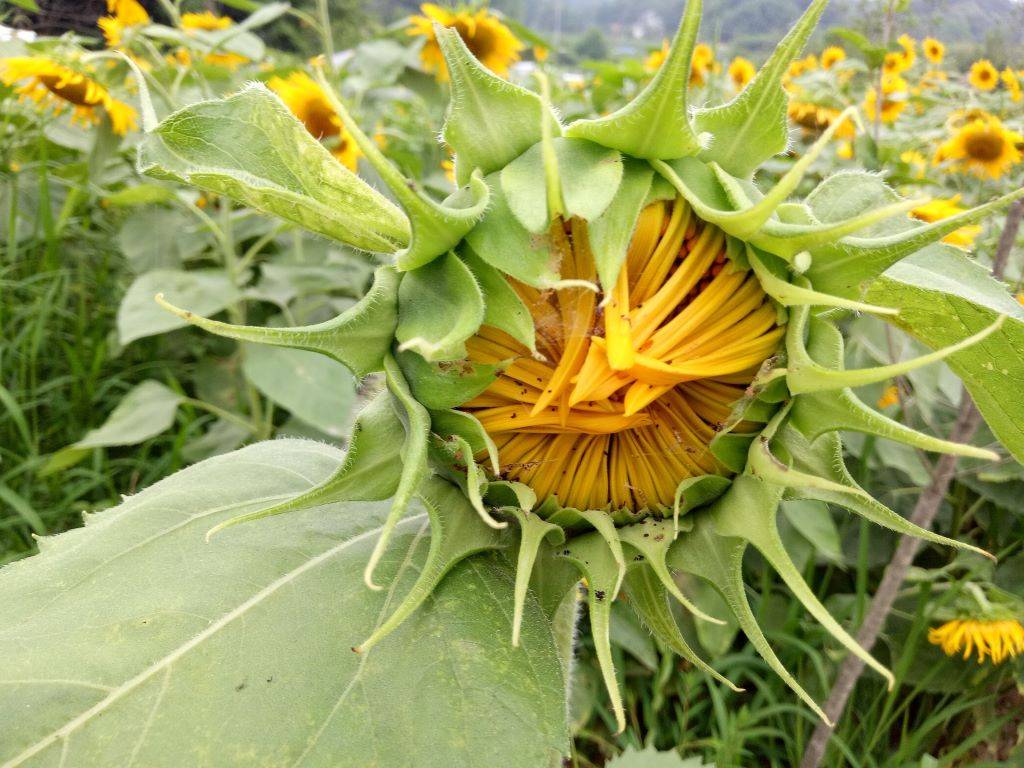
[{"x": 848, "y": 247}]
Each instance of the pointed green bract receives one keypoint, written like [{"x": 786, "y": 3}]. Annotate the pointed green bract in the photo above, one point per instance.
[
  {"x": 449, "y": 423},
  {"x": 503, "y": 308},
  {"x": 370, "y": 471},
  {"x": 436, "y": 228},
  {"x": 649, "y": 598},
  {"x": 358, "y": 338},
  {"x": 611, "y": 232},
  {"x": 249, "y": 147},
  {"x": 651, "y": 539},
  {"x": 752, "y": 127},
  {"x": 823, "y": 460},
  {"x": 445, "y": 384},
  {"x": 439, "y": 306},
  {"x": 533, "y": 531},
  {"x": 455, "y": 534},
  {"x": 655, "y": 124},
  {"x": 490, "y": 121},
  {"x": 416, "y": 423},
  {"x": 590, "y": 554},
  {"x": 719, "y": 561},
  {"x": 944, "y": 297},
  {"x": 750, "y": 516},
  {"x": 504, "y": 243}
]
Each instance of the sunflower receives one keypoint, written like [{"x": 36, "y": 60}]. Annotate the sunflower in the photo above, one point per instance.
[
  {"x": 934, "y": 51},
  {"x": 306, "y": 100},
  {"x": 832, "y": 56},
  {"x": 983, "y": 75},
  {"x": 938, "y": 209},
  {"x": 982, "y": 147},
  {"x": 62, "y": 86},
  {"x": 207, "y": 21},
  {"x": 1012, "y": 83},
  {"x": 892, "y": 103},
  {"x": 124, "y": 14},
  {"x": 656, "y": 57},
  {"x": 909, "y": 46},
  {"x": 896, "y": 62},
  {"x": 490, "y": 41},
  {"x": 703, "y": 64},
  {"x": 625, "y": 396},
  {"x": 741, "y": 71},
  {"x": 814, "y": 119},
  {"x": 844, "y": 150},
  {"x": 999, "y": 639}
]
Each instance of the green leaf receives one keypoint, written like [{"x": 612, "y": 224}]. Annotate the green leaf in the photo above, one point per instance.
[
  {"x": 656, "y": 124},
  {"x": 357, "y": 338},
  {"x": 439, "y": 306},
  {"x": 490, "y": 121},
  {"x": 207, "y": 292},
  {"x": 814, "y": 522},
  {"x": 244, "y": 654},
  {"x": 752, "y": 127},
  {"x": 315, "y": 388},
  {"x": 250, "y": 148},
  {"x": 144, "y": 412},
  {"x": 161, "y": 238},
  {"x": 945, "y": 297}
]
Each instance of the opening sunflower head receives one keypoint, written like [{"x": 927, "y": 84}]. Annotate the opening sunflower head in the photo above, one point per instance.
[
  {"x": 49, "y": 82},
  {"x": 628, "y": 387}
]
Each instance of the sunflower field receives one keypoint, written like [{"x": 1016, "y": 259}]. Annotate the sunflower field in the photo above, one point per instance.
[{"x": 406, "y": 386}]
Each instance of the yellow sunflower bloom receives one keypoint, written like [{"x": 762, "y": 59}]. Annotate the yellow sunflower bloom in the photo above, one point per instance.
[
  {"x": 998, "y": 640},
  {"x": 832, "y": 56},
  {"x": 896, "y": 62},
  {"x": 938, "y": 209},
  {"x": 1012, "y": 83},
  {"x": 983, "y": 75},
  {"x": 703, "y": 64},
  {"x": 656, "y": 57},
  {"x": 60, "y": 86},
  {"x": 206, "y": 21},
  {"x": 741, "y": 71},
  {"x": 909, "y": 46},
  {"x": 814, "y": 119},
  {"x": 892, "y": 105},
  {"x": 984, "y": 148},
  {"x": 934, "y": 51},
  {"x": 487, "y": 38},
  {"x": 124, "y": 14},
  {"x": 306, "y": 100},
  {"x": 844, "y": 150}
]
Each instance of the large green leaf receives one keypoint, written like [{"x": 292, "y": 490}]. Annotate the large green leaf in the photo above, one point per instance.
[
  {"x": 945, "y": 297},
  {"x": 249, "y": 148},
  {"x": 133, "y": 642}
]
